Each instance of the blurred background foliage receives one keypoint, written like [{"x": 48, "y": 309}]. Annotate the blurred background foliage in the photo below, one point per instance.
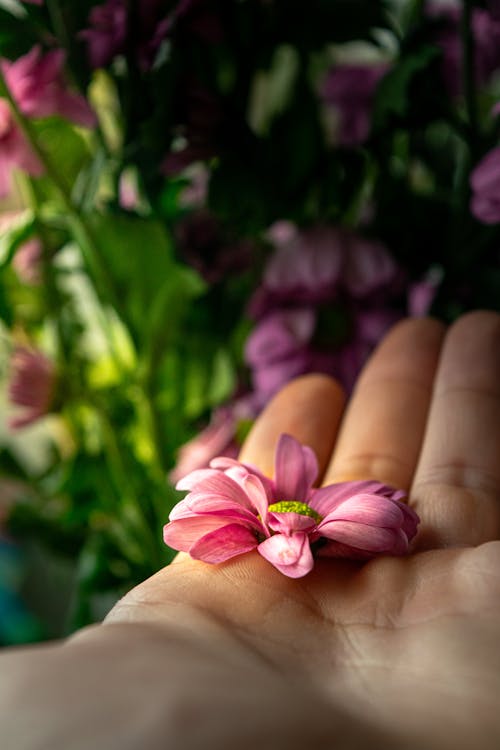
[{"x": 200, "y": 200}]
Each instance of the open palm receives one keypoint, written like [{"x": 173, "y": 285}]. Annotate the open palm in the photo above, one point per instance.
[{"x": 405, "y": 649}]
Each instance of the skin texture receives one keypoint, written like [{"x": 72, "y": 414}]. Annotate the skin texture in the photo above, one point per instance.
[{"x": 395, "y": 653}]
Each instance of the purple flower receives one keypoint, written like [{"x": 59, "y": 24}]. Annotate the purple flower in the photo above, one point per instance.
[
  {"x": 485, "y": 184},
  {"x": 486, "y": 35},
  {"x": 350, "y": 89},
  {"x": 107, "y": 32},
  {"x": 310, "y": 271},
  {"x": 231, "y": 509},
  {"x": 278, "y": 349}
]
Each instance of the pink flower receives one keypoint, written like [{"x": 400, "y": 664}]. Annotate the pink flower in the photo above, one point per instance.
[
  {"x": 32, "y": 385},
  {"x": 232, "y": 508},
  {"x": 485, "y": 184},
  {"x": 36, "y": 83},
  {"x": 15, "y": 151},
  {"x": 421, "y": 294},
  {"x": 215, "y": 440},
  {"x": 27, "y": 261},
  {"x": 351, "y": 89}
]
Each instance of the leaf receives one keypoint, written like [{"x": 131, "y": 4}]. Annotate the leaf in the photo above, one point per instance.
[
  {"x": 65, "y": 148},
  {"x": 137, "y": 255},
  {"x": 19, "y": 229}
]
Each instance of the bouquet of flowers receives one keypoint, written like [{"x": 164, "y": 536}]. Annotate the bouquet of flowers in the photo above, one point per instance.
[{"x": 200, "y": 200}]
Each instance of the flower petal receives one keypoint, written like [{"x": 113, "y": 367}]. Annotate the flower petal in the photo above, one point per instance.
[
  {"x": 257, "y": 494},
  {"x": 291, "y": 555},
  {"x": 190, "y": 481},
  {"x": 296, "y": 469},
  {"x": 196, "y": 504},
  {"x": 223, "y": 543},
  {"x": 217, "y": 483},
  {"x": 373, "y": 510},
  {"x": 181, "y": 534},
  {"x": 288, "y": 522},
  {"x": 326, "y": 499},
  {"x": 365, "y": 537}
]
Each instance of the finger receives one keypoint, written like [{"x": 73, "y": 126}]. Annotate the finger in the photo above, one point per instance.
[
  {"x": 309, "y": 408},
  {"x": 383, "y": 427},
  {"x": 456, "y": 489}
]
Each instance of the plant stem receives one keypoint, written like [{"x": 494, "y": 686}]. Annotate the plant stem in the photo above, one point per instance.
[{"x": 80, "y": 229}]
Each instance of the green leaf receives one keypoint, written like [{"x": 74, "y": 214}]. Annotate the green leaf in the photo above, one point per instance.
[
  {"x": 137, "y": 254},
  {"x": 18, "y": 231},
  {"x": 65, "y": 147}
]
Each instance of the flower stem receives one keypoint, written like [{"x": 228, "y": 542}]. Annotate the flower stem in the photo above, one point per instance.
[{"x": 80, "y": 229}]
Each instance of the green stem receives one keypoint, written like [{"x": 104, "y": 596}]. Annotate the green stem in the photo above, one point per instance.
[{"x": 82, "y": 232}]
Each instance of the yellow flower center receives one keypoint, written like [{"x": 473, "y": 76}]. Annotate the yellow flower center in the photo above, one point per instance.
[{"x": 294, "y": 506}]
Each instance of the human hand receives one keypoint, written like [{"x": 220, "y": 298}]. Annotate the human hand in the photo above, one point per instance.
[
  {"x": 408, "y": 644},
  {"x": 393, "y": 653}
]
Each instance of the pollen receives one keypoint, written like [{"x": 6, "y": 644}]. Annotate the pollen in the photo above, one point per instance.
[{"x": 294, "y": 506}]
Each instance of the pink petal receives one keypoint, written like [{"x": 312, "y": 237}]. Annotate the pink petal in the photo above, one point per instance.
[
  {"x": 326, "y": 499},
  {"x": 217, "y": 483},
  {"x": 370, "y": 538},
  {"x": 296, "y": 469},
  {"x": 224, "y": 543},
  {"x": 203, "y": 504},
  {"x": 257, "y": 494},
  {"x": 288, "y": 522},
  {"x": 369, "y": 509},
  {"x": 181, "y": 534},
  {"x": 190, "y": 481},
  {"x": 291, "y": 555}
]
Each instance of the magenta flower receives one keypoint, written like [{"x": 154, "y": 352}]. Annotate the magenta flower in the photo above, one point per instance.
[
  {"x": 36, "y": 83},
  {"x": 15, "y": 151},
  {"x": 485, "y": 184},
  {"x": 32, "y": 385},
  {"x": 232, "y": 508}
]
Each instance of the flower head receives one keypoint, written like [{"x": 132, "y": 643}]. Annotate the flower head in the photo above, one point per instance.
[
  {"x": 231, "y": 508},
  {"x": 351, "y": 89},
  {"x": 32, "y": 385},
  {"x": 36, "y": 83}
]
